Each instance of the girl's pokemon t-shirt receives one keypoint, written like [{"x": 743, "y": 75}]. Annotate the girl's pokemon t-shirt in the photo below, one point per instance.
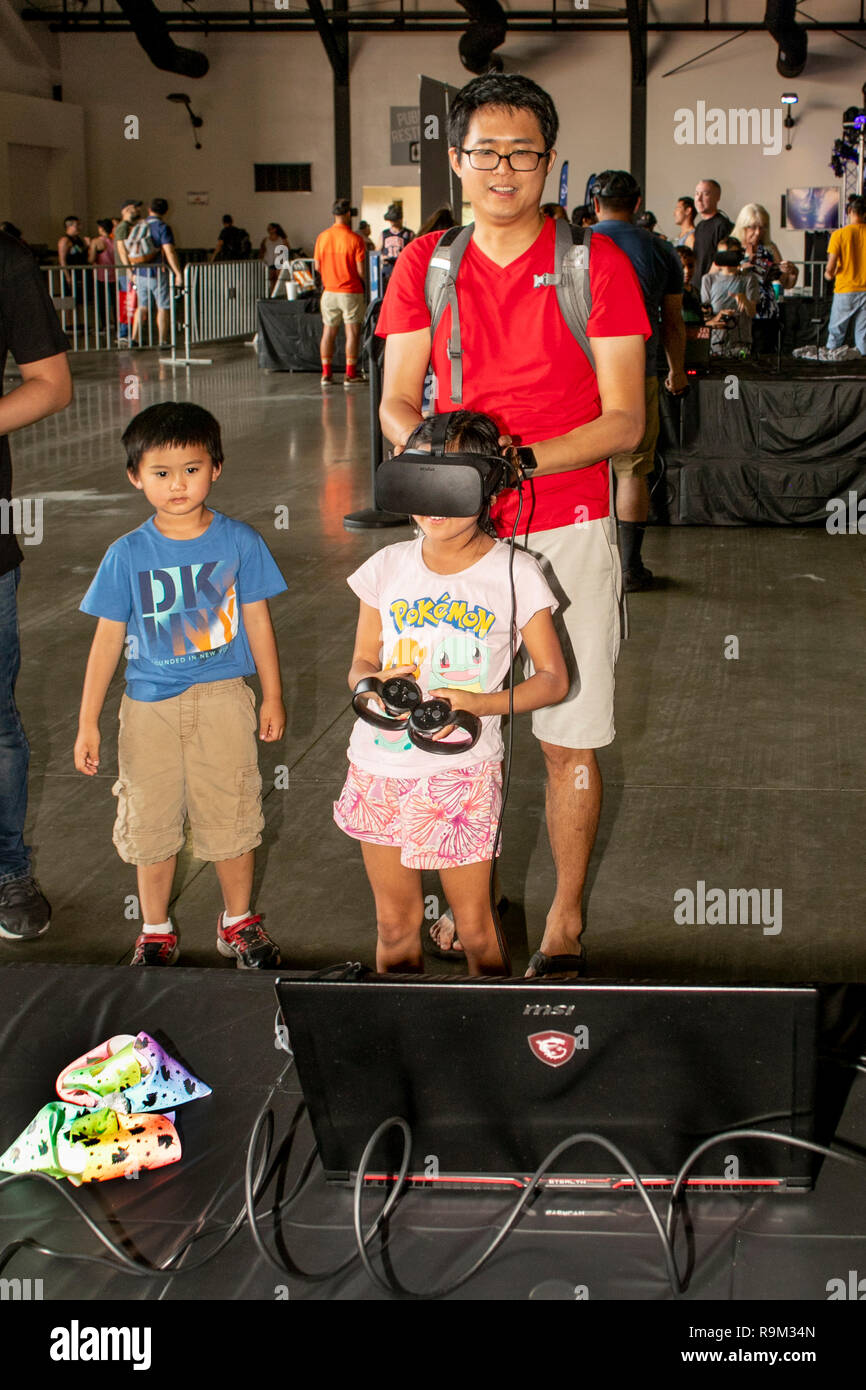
[{"x": 453, "y": 629}]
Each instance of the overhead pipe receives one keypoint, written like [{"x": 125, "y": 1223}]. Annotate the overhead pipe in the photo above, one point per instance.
[
  {"x": 781, "y": 20},
  {"x": 152, "y": 33},
  {"x": 486, "y": 32}
]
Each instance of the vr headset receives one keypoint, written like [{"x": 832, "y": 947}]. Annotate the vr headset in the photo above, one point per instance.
[
  {"x": 439, "y": 484},
  {"x": 733, "y": 256}
]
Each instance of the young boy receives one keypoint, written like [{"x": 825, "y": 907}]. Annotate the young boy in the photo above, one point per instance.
[
  {"x": 187, "y": 595},
  {"x": 732, "y": 296}
]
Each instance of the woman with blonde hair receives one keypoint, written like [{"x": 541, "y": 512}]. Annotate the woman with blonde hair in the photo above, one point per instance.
[{"x": 752, "y": 228}]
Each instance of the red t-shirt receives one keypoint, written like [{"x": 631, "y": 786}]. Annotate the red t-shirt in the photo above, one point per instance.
[
  {"x": 521, "y": 364},
  {"x": 340, "y": 253}
]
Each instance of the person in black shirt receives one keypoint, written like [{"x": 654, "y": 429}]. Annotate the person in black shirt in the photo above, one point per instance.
[
  {"x": 30, "y": 330},
  {"x": 72, "y": 253},
  {"x": 394, "y": 238},
  {"x": 232, "y": 242},
  {"x": 713, "y": 226}
]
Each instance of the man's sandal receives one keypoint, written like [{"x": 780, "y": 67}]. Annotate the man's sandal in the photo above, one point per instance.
[{"x": 541, "y": 965}]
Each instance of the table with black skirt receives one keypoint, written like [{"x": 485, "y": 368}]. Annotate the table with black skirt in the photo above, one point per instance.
[{"x": 288, "y": 333}]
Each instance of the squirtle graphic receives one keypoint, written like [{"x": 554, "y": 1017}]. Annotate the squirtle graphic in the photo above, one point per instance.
[{"x": 459, "y": 660}]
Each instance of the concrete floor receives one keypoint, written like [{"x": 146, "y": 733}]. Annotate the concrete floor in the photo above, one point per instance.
[{"x": 747, "y": 773}]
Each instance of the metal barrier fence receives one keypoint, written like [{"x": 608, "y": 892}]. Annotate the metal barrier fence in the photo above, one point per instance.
[
  {"x": 103, "y": 308},
  {"x": 221, "y": 299}
]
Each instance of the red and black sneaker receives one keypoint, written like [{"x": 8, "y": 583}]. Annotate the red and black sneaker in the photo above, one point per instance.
[
  {"x": 248, "y": 943},
  {"x": 155, "y": 948}
]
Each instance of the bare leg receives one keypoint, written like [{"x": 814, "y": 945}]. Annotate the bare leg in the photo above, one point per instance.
[
  {"x": 399, "y": 909},
  {"x": 154, "y": 889},
  {"x": 443, "y": 931},
  {"x": 467, "y": 890},
  {"x": 326, "y": 349},
  {"x": 353, "y": 339},
  {"x": 162, "y": 324},
  {"x": 236, "y": 882},
  {"x": 573, "y": 810},
  {"x": 632, "y": 499},
  {"x": 138, "y": 323}
]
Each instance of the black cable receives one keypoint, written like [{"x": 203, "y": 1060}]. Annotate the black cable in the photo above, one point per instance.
[
  {"x": 506, "y": 779},
  {"x": 396, "y": 1122},
  {"x": 666, "y": 1233},
  {"x": 325, "y": 1274}
]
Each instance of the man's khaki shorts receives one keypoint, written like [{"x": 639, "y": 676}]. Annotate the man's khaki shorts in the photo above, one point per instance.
[
  {"x": 582, "y": 567},
  {"x": 640, "y": 463},
  {"x": 192, "y": 756},
  {"x": 341, "y": 308}
]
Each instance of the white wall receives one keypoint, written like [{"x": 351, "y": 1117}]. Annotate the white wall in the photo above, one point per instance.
[
  {"x": 268, "y": 99},
  {"x": 53, "y": 125}
]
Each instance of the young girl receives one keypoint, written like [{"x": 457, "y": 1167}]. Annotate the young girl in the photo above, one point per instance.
[{"x": 437, "y": 609}]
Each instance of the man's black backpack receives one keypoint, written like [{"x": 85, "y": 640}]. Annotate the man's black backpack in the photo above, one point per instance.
[{"x": 570, "y": 275}]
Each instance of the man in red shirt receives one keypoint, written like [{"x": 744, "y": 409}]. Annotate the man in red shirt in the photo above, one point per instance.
[
  {"x": 339, "y": 257},
  {"x": 522, "y": 365}
]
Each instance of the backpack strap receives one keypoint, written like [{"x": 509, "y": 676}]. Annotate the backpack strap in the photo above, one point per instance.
[
  {"x": 571, "y": 278},
  {"x": 440, "y": 290}
]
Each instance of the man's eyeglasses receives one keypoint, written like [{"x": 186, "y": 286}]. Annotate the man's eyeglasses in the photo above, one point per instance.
[{"x": 521, "y": 161}]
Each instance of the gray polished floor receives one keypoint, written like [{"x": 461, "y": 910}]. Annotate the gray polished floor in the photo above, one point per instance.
[{"x": 745, "y": 773}]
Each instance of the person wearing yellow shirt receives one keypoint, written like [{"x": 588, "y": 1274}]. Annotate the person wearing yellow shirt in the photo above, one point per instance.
[{"x": 846, "y": 265}]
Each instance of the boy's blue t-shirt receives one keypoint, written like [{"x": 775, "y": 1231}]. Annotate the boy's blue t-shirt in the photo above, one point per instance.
[{"x": 181, "y": 602}]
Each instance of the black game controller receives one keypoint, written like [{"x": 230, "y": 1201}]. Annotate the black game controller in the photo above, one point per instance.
[{"x": 421, "y": 718}]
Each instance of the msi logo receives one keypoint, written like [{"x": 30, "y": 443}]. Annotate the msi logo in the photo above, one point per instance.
[
  {"x": 554, "y": 1049},
  {"x": 545, "y": 1010}
]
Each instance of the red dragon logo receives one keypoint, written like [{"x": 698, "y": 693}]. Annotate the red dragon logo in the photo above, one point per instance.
[{"x": 554, "y": 1049}]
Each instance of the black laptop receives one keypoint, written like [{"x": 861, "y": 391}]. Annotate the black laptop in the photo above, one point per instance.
[{"x": 491, "y": 1075}]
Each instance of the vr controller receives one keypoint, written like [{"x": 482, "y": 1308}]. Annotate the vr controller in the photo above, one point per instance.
[
  {"x": 401, "y": 698},
  {"x": 440, "y": 484}
]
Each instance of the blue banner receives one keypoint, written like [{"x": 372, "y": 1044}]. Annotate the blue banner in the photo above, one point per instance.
[{"x": 563, "y": 185}]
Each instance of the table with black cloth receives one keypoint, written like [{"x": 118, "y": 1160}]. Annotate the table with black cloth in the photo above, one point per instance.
[
  {"x": 798, "y": 313},
  {"x": 750, "y": 444},
  {"x": 220, "y": 1024},
  {"x": 288, "y": 333}
]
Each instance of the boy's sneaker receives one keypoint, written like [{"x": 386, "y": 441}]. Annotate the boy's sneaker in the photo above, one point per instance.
[
  {"x": 155, "y": 948},
  {"x": 25, "y": 912},
  {"x": 248, "y": 943},
  {"x": 358, "y": 379},
  {"x": 327, "y": 381}
]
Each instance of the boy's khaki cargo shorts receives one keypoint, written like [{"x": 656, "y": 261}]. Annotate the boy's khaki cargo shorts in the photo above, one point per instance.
[{"x": 191, "y": 756}]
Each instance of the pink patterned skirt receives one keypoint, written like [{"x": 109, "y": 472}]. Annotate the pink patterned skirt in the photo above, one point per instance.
[{"x": 437, "y": 822}]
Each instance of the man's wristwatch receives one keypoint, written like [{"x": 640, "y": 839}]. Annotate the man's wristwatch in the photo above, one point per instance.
[{"x": 526, "y": 458}]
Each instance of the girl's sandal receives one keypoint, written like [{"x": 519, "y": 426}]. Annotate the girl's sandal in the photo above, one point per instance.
[{"x": 444, "y": 926}]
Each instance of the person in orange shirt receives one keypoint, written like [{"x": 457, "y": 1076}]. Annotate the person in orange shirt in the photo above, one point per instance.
[
  {"x": 846, "y": 264},
  {"x": 339, "y": 257}
]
